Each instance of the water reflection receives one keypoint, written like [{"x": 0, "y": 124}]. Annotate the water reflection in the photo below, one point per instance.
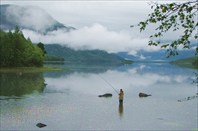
[
  {"x": 80, "y": 68},
  {"x": 129, "y": 78},
  {"x": 18, "y": 84},
  {"x": 69, "y": 97},
  {"x": 189, "y": 98},
  {"x": 121, "y": 110}
]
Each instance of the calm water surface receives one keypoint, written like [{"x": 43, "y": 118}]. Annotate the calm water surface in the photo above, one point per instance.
[{"x": 69, "y": 100}]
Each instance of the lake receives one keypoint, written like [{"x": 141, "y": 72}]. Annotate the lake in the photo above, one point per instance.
[{"x": 68, "y": 100}]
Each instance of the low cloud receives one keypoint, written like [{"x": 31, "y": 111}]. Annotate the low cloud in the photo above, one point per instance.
[
  {"x": 31, "y": 17},
  {"x": 117, "y": 16},
  {"x": 96, "y": 36}
]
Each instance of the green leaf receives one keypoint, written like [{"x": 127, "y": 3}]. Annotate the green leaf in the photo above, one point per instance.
[{"x": 186, "y": 47}]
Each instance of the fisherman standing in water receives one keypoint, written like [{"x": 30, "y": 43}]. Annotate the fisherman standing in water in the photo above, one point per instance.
[{"x": 121, "y": 96}]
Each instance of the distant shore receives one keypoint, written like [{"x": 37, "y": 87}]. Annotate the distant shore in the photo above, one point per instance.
[
  {"x": 27, "y": 69},
  {"x": 188, "y": 62}
]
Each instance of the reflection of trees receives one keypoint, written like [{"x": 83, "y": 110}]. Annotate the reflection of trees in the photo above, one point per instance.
[
  {"x": 81, "y": 68},
  {"x": 19, "y": 84}
]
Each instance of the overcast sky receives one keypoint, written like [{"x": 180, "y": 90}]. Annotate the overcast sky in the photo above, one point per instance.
[
  {"x": 101, "y": 24},
  {"x": 116, "y": 15}
]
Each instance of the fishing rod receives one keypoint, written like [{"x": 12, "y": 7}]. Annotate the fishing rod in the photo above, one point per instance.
[{"x": 109, "y": 84}]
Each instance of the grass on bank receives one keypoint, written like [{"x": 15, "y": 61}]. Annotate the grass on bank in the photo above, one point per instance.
[
  {"x": 127, "y": 61},
  {"x": 28, "y": 69},
  {"x": 191, "y": 62}
]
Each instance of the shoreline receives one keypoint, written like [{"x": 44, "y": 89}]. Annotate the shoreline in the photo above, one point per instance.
[
  {"x": 187, "y": 63},
  {"x": 28, "y": 69}
]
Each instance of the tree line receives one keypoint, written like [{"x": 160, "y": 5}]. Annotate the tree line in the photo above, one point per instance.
[{"x": 17, "y": 51}]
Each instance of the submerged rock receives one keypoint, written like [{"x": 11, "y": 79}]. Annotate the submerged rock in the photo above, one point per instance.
[
  {"x": 40, "y": 125},
  {"x": 106, "y": 95},
  {"x": 144, "y": 95}
]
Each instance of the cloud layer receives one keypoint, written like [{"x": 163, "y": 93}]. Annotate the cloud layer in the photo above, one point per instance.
[
  {"x": 111, "y": 31},
  {"x": 31, "y": 17},
  {"x": 96, "y": 36}
]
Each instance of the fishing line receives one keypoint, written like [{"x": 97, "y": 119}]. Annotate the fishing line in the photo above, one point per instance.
[{"x": 109, "y": 84}]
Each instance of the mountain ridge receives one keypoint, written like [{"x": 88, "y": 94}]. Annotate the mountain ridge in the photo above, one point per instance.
[
  {"x": 36, "y": 19},
  {"x": 83, "y": 56},
  {"x": 29, "y": 17}
]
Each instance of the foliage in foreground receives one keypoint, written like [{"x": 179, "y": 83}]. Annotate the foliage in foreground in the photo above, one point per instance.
[
  {"x": 17, "y": 51},
  {"x": 173, "y": 17}
]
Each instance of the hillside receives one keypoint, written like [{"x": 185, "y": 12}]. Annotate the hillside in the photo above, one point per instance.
[
  {"x": 28, "y": 17},
  {"x": 36, "y": 19},
  {"x": 83, "y": 56}
]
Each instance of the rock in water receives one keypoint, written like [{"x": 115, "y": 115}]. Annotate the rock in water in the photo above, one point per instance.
[
  {"x": 143, "y": 94},
  {"x": 106, "y": 95},
  {"x": 40, "y": 125}
]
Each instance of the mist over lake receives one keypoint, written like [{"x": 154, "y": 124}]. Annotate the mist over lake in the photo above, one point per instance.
[{"x": 70, "y": 101}]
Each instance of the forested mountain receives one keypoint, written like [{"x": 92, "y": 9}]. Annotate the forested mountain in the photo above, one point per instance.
[
  {"x": 36, "y": 19},
  {"x": 28, "y": 17},
  {"x": 17, "y": 51},
  {"x": 83, "y": 56}
]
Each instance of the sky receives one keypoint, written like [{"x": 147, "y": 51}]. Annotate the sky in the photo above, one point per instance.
[{"x": 101, "y": 25}]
